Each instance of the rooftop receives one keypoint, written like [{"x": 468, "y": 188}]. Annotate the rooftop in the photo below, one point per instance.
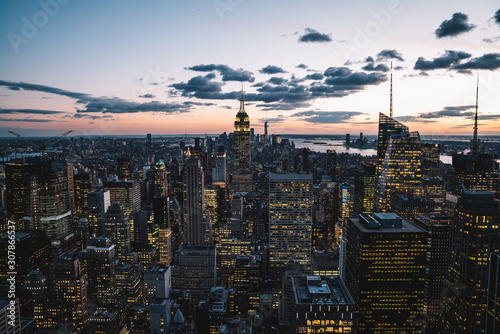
[
  {"x": 384, "y": 223},
  {"x": 321, "y": 290}
]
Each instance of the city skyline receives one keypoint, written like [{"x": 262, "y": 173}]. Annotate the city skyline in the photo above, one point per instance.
[{"x": 174, "y": 68}]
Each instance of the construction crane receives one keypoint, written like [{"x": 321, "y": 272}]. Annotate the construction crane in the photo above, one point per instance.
[{"x": 43, "y": 144}]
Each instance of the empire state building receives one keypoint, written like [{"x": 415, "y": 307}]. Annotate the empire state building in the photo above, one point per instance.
[{"x": 242, "y": 177}]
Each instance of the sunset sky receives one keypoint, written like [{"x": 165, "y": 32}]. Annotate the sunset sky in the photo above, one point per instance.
[{"x": 310, "y": 67}]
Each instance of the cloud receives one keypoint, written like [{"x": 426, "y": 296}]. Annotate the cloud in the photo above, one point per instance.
[
  {"x": 455, "y": 111},
  {"x": 101, "y": 104},
  {"x": 331, "y": 117},
  {"x": 30, "y": 111},
  {"x": 314, "y": 76},
  {"x": 314, "y": 36},
  {"x": 119, "y": 106},
  {"x": 271, "y": 69},
  {"x": 357, "y": 79},
  {"x": 489, "y": 61},
  {"x": 337, "y": 72},
  {"x": 379, "y": 68},
  {"x": 389, "y": 54},
  {"x": 283, "y": 106},
  {"x": 303, "y": 66},
  {"x": 228, "y": 74},
  {"x": 276, "y": 81},
  {"x": 277, "y": 119},
  {"x": 446, "y": 112},
  {"x": 446, "y": 61},
  {"x": 497, "y": 16},
  {"x": 147, "y": 96},
  {"x": 42, "y": 88},
  {"x": 26, "y": 120},
  {"x": 455, "y": 26},
  {"x": 280, "y": 93},
  {"x": 492, "y": 39}
]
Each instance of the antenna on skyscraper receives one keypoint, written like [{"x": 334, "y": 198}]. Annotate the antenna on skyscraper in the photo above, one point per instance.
[
  {"x": 242, "y": 104},
  {"x": 391, "y": 91},
  {"x": 475, "y": 141}
]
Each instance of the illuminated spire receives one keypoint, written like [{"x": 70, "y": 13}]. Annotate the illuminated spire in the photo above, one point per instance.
[
  {"x": 391, "y": 89},
  {"x": 475, "y": 140},
  {"x": 242, "y": 102}
]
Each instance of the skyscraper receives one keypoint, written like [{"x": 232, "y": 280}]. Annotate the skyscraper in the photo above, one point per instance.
[
  {"x": 399, "y": 170},
  {"x": 98, "y": 202},
  {"x": 124, "y": 168},
  {"x": 290, "y": 221},
  {"x": 493, "y": 303},
  {"x": 438, "y": 229},
  {"x": 476, "y": 170},
  {"x": 386, "y": 258},
  {"x": 83, "y": 184},
  {"x": 474, "y": 236},
  {"x": 387, "y": 126},
  {"x": 68, "y": 286},
  {"x": 364, "y": 189},
  {"x": 128, "y": 194},
  {"x": 118, "y": 230},
  {"x": 102, "y": 278},
  {"x": 194, "y": 205},
  {"x": 331, "y": 164},
  {"x": 242, "y": 177}
]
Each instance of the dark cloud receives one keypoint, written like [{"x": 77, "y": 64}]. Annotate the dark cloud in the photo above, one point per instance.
[
  {"x": 455, "y": 111},
  {"x": 228, "y": 74},
  {"x": 497, "y": 16},
  {"x": 303, "y": 66},
  {"x": 357, "y": 79},
  {"x": 379, "y": 68},
  {"x": 449, "y": 59},
  {"x": 446, "y": 112},
  {"x": 33, "y": 120},
  {"x": 271, "y": 69},
  {"x": 30, "y": 111},
  {"x": 102, "y": 104},
  {"x": 314, "y": 76},
  {"x": 42, "y": 88},
  {"x": 314, "y": 36},
  {"x": 369, "y": 59},
  {"x": 490, "y": 61},
  {"x": 203, "y": 84},
  {"x": 331, "y": 117},
  {"x": 147, "y": 96},
  {"x": 276, "y": 80},
  {"x": 455, "y": 26},
  {"x": 119, "y": 106},
  {"x": 337, "y": 72},
  {"x": 280, "y": 93},
  {"x": 389, "y": 54}
]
